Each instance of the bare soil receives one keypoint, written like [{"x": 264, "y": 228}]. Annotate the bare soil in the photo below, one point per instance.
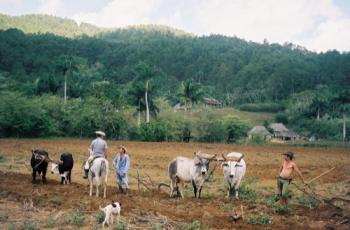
[{"x": 54, "y": 205}]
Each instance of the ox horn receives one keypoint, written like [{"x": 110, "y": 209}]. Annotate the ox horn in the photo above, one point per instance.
[
  {"x": 206, "y": 155},
  {"x": 48, "y": 159},
  {"x": 230, "y": 158}
]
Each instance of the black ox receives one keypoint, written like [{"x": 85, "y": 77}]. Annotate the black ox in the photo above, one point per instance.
[{"x": 39, "y": 163}]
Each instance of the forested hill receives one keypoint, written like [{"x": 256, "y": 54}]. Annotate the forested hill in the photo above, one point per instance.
[
  {"x": 106, "y": 64},
  {"x": 48, "y": 24}
]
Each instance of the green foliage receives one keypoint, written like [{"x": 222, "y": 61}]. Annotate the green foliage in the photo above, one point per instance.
[
  {"x": 2, "y": 158},
  {"x": 121, "y": 226},
  {"x": 236, "y": 129},
  {"x": 212, "y": 131},
  {"x": 195, "y": 225},
  {"x": 77, "y": 218},
  {"x": 307, "y": 202},
  {"x": 262, "y": 107},
  {"x": 259, "y": 219},
  {"x": 50, "y": 222},
  {"x": 281, "y": 117},
  {"x": 257, "y": 139},
  {"x": 281, "y": 209},
  {"x": 29, "y": 226},
  {"x": 100, "y": 217},
  {"x": 156, "y": 131},
  {"x": 246, "y": 193}
]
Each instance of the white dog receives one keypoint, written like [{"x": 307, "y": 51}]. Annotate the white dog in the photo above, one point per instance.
[{"x": 109, "y": 210}]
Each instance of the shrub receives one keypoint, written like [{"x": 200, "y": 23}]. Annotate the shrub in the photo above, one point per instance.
[
  {"x": 281, "y": 118},
  {"x": 257, "y": 139},
  {"x": 156, "y": 131},
  {"x": 235, "y": 128},
  {"x": 259, "y": 219},
  {"x": 262, "y": 107},
  {"x": 212, "y": 131}
]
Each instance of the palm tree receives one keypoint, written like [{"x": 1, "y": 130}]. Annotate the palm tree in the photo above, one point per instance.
[
  {"x": 343, "y": 100},
  {"x": 137, "y": 97},
  {"x": 145, "y": 73},
  {"x": 190, "y": 92}
]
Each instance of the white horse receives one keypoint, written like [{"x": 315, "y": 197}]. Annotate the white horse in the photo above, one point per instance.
[{"x": 99, "y": 168}]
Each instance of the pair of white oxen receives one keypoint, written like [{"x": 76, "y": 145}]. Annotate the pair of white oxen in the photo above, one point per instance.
[{"x": 183, "y": 169}]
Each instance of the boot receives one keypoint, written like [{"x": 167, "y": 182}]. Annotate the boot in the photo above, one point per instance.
[{"x": 86, "y": 171}]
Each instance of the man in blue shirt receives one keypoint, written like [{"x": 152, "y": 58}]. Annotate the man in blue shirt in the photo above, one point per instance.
[{"x": 121, "y": 164}]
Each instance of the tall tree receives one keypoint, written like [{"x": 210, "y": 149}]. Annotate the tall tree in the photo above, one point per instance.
[
  {"x": 145, "y": 74},
  {"x": 343, "y": 100},
  {"x": 190, "y": 92}
]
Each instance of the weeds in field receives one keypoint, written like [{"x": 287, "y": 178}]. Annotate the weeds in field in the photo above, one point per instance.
[
  {"x": 2, "y": 158},
  {"x": 246, "y": 193},
  {"x": 228, "y": 207},
  {"x": 50, "y": 222},
  {"x": 11, "y": 227},
  {"x": 250, "y": 180},
  {"x": 281, "y": 209},
  {"x": 157, "y": 227},
  {"x": 77, "y": 218},
  {"x": 56, "y": 200},
  {"x": 100, "y": 217},
  {"x": 121, "y": 226},
  {"x": 29, "y": 226},
  {"x": 40, "y": 200},
  {"x": 195, "y": 225},
  {"x": 259, "y": 219},
  {"x": 307, "y": 202}
]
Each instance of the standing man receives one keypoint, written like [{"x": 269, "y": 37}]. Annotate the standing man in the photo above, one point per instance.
[
  {"x": 121, "y": 164},
  {"x": 98, "y": 148},
  {"x": 287, "y": 168}
]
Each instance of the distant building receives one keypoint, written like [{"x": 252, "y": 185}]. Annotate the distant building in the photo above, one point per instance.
[
  {"x": 259, "y": 130},
  {"x": 212, "y": 102},
  {"x": 282, "y": 132}
]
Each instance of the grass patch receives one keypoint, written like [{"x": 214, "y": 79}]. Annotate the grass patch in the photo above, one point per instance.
[
  {"x": 121, "y": 226},
  {"x": 195, "y": 225},
  {"x": 58, "y": 200},
  {"x": 40, "y": 200},
  {"x": 29, "y": 226},
  {"x": 281, "y": 209},
  {"x": 50, "y": 222},
  {"x": 77, "y": 218},
  {"x": 259, "y": 219},
  {"x": 307, "y": 202},
  {"x": 251, "y": 180},
  {"x": 2, "y": 158},
  {"x": 228, "y": 207},
  {"x": 100, "y": 217},
  {"x": 246, "y": 193}
]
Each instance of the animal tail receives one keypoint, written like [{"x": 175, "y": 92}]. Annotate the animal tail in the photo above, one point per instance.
[{"x": 103, "y": 167}]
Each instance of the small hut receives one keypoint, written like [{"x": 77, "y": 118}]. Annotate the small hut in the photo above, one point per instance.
[
  {"x": 259, "y": 130},
  {"x": 282, "y": 132},
  {"x": 211, "y": 102}
]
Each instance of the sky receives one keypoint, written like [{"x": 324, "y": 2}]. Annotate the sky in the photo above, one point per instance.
[{"x": 318, "y": 25}]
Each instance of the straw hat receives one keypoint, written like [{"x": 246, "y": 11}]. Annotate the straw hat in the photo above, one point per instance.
[
  {"x": 123, "y": 147},
  {"x": 100, "y": 133}
]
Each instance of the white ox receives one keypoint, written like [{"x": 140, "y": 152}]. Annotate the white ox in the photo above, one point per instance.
[
  {"x": 183, "y": 169},
  {"x": 99, "y": 168},
  {"x": 234, "y": 169}
]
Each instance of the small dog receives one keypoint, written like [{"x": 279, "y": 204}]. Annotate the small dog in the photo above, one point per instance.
[{"x": 109, "y": 210}]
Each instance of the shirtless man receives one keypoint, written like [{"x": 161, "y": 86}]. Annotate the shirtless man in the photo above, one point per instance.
[{"x": 285, "y": 177}]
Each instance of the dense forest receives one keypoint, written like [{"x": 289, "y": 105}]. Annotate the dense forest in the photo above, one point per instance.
[{"x": 110, "y": 70}]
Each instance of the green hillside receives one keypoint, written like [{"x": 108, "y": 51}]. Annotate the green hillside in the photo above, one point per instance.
[{"x": 309, "y": 90}]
